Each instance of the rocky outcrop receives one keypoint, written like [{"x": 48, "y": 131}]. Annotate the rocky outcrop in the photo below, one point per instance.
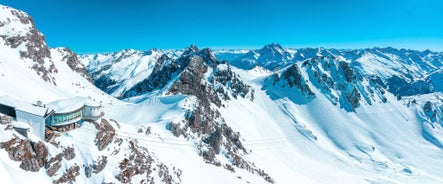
[
  {"x": 206, "y": 122},
  {"x": 142, "y": 162},
  {"x": 4, "y": 120},
  {"x": 34, "y": 155},
  {"x": 69, "y": 175},
  {"x": 294, "y": 78},
  {"x": 231, "y": 81},
  {"x": 272, "y": 57},
  {"x": 97, "y": 167},
  {"x": 35, "y": 47},
  {"x": 163, "y": 71},
  {"x": 343, "y": 85},
  {"x": 433, "y": 112},
  {"x": 100, "y": 164},
  {"x": 31, "y": 155},
  {"x": 54, "y": 163},
  {"x": 211, "y": 82},
  {"x": 105, "y": 134},
  {"x": 73, "y": 62}
]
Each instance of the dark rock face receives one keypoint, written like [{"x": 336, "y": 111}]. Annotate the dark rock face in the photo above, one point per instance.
[
  {"x": 36, "y": 48},
  {"x": 141, "y": 161},
  {"x": 68, "y": 153},
  {"x": 105, "y": 134},
  {"x": 97, "y": 167},
  {"x": 433, "y": 112},
  {"x": 341, "y": 84},
  {"x": 336, "y": 79},
  {"x": 31, "y": 155},
  {"x": 54, "y": 164},
  {"x": 69, "y": 175},
  {"x": 403, "y": 87},
  {"x": 347, "y": 71},
  {"x": 34, "y": 155},
  {"x": 159, "y": 77},
  {"x": 71, "y": 59},
  {"x": 100, "y": 164},
  {"x": 294, "y": 78},
  {"x": 232, "y": 82},
  {"x": 212, "y": 82},
  {"x": 272, "y": 57},
  {"x": 205, "y": 121}
]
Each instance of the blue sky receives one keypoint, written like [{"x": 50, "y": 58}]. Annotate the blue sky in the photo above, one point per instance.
[{"x": 89, "y": 26}]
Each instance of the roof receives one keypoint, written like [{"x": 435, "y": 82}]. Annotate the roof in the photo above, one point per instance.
[
  {"x": 18, "y": 124},
  {"x": 23, "y": 106},
  {"x": 71, "y": 104}
]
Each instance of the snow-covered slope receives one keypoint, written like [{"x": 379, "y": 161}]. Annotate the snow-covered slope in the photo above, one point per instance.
[
  {"x": 379, "y": 61},
  {"x": 229, "y": 54},
  {"x": 298, "y": 116},
  {"x": 117, "y": 72},
  {"x": 271, "y": 57},
  {"x": 315, "y": 110},
  {"x": 130, "y": 144}
]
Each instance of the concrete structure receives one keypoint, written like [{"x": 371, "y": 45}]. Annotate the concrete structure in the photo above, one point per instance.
[
  {"x": 35, "y": 116},
  {"x": 61, "y": 115},
  {"x": 22, "y": 128}
]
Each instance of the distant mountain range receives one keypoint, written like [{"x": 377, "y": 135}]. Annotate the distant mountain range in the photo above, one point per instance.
[{"x": 412, "y": 71}]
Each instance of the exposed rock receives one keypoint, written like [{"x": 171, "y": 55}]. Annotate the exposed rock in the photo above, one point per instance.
[
  {"x": 227, "y": 78},
  {"x": 88, "y": 171},
  {"x": 105, "y": 134},
  {"x": 142, "y": 162},
  {"x": 72, "y": 60},
  {"x": 294, "y": 78},
  {"x": 36, "y": 48},
  {"x": 22, "y": 150},
  {"x": 53, "y": 167},
  {"x": 69, "y": 175},
  {"x": 30, "y": 165},
  {"x": 139, "y": 162},
  {"x": 343, "y": 85},
  {"x": 354, "y": 98},
  {"x": 68, "y": 153},
  {"x": 159, "y": 77},
  {"x": 5, "y": 120},
  {"x": 97, "y": 167},
  {"x": 100, "y": 164},
  {"x": 41, "y": 152},
  {"x": 54, "y": 163},
  {"x": 347, "y": 71},
  {"x": 203, "y": 122}
]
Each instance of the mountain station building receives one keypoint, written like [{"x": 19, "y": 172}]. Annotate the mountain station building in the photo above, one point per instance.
[{"x": 61, "y": 115}]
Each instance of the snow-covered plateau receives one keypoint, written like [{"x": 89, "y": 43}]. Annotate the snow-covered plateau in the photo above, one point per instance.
[{"x": 270, "y": 115}]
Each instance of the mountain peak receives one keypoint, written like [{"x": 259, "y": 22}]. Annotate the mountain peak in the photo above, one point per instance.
[
  {"x": 191, "y": 49},
  {"x": 273, "y": 46}
]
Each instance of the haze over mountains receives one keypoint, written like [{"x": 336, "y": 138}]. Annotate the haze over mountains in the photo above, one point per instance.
[{"x": 271, "y": 115}]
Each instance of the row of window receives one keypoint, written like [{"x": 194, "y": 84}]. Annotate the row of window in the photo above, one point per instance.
[{"x": 66, "y": 117}]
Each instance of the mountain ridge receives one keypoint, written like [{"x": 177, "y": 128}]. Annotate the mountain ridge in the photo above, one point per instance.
[{"x": 187, "y": 116}]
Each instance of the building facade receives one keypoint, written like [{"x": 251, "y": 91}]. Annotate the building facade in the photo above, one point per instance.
[{"x": 61, "y": 115}]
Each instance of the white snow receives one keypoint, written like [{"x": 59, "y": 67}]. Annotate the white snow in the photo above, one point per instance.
[
  {"x": 312, "y": 142},
  {"x": 22, "y": 106}
]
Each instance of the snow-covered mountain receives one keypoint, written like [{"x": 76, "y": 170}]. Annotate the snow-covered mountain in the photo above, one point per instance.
[
  {"x": 130, "y": 143},
  {"x": 271, "y": 57},
  {"x": 229, "y": 54},
  {"x": 272, "y": 115},
  {"x": 117, "y": 72}
]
